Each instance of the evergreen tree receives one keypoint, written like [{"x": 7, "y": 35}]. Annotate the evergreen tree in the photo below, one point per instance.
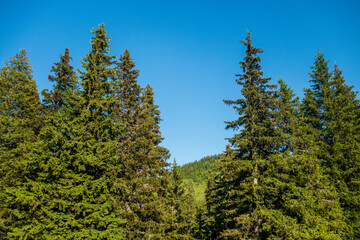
[
  {"x": 144, "y": 161},
  {"x": 180, "y": 219},
  {"x": 313, "y": 102},
  {"x": 79, "y": 170},
  {"x": 64, "y": 78},
  {"x": 201, "y": 223},
  {"x": 252, "y": 146},
  {"x": 300, "y": 200},
  {"x": 268, "y": 186},
  {"x": 331, "y": 111},
  {"x": 218, "y": 196},
  {"x": 94, "y": 162},
  {"x": 127, "y": 110},
  {"x": 177, "y": 201},
  {"x": 287, "y": 117},
  {"x": 342, "y": 137},
  {"x": 20, "y": 123}
]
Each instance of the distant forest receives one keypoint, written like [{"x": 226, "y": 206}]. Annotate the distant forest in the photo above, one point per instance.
[
  {"x": 199, "y": 171},
  {"x": 196, "y": 175},
  {"x": 86, "y": 161}
]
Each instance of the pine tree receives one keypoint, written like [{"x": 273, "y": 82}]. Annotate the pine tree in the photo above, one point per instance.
[
  {"x": 20, "y": 123},
  {"x": 300, "y": 200},
  {"x": 144, "y": 161},
  {"x": 341, "y": 136},
  {"x": 252, "y": 146},
  {"x": 127, "y": 110},
  {"x": 180, "y": 219},
  {"x": 64, "y": 78},
  {"x": 219, "y": 195},
  {"x": 287, "y": 117},
  {"x": 313, "y": 102},
  {"x": 334, "y": 127},
  {"x": 269, "y": 186},
  {"x": 94, "y": 167},
  {"x": 79, "y": 173}
]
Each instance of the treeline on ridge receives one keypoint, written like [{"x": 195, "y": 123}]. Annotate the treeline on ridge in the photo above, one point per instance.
[{"x": 85, "y": 162}]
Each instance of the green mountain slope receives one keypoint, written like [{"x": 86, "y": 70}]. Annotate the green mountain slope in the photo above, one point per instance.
[{"x": 196, "y": 175}]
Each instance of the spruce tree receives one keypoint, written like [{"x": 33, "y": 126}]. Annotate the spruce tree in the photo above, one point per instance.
[
  {"x": 242, "y": 204},
  {"x": 201, "y": 223},
  {"x": 314, "y": 99},
  {"x": 20, "y": 123},
  {"x": 218, "y": 196},
  {"x": 269, "y": 186},
  {"x": 179, "y": 219},
  {"x": 287, "y": 117},
  {"x": 135, "y": 146},
  {"x": 127, "y": 110},
  {"x": 342, "y": 137},
  {"x": 94, "y": 164},
  {"x": 145, "y": 177},
  {"x": 65, "y": 78},
  {"x": 156, "y": 155},
  {"x": 330, "y": 110},
  {"x": 57, "y": 153},
  {"x": 300, "y": 200},
  {"x": 79, "y": 168}
]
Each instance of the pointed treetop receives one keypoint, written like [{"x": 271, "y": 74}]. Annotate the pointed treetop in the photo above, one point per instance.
[
  {"x": 100, "y": 41},
  {"x": 127, "y": 63},
  {"x": 97, "y": 65},
  {"x": 65, "y": 79},
  {"x": 320, "y": 71},
  {"x": 20, "y": 62},
  {"x": 63, "y": 71},
  {"x": 285, "y": 90}
]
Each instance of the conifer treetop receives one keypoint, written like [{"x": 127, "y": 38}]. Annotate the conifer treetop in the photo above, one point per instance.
[
  {"x": 65, "y": 79},
  {"x": 97, "y": 65}
]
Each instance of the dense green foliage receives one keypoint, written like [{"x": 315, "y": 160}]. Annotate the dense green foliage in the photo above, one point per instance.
[
  {"x": 271, "y": 181},
  {"x": 199, "y": 171},
  {"x": 331, "y": 111},
  {"x": 86, "y": 162},
  {"x": 239, "y": 215},
  {"x": 20, "y": 122},
  {"x": 342, "y": 149},
  {"x": 196, "y": 174}
]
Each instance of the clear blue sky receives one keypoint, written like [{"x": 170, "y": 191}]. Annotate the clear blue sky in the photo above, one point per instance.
[{"x": 189, "y": 51}]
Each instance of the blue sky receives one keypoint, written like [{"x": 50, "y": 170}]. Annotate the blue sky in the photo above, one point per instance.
[{"x": 189, "y": 51}]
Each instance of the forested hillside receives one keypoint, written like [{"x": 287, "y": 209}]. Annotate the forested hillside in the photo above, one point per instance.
[
  {"x": 196, "y": 174},
  {"x": 199, "y": 171},
  {"x": 85, "y": 160}
]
